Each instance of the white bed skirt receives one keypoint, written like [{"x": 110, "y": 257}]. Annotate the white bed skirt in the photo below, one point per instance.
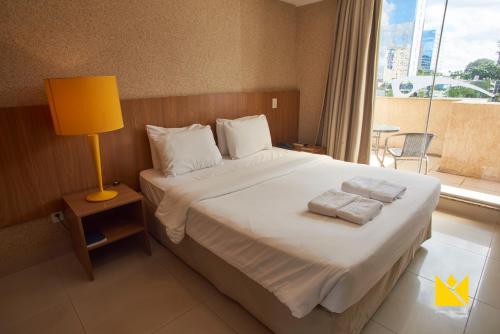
[{"x": 264, "y": 305}]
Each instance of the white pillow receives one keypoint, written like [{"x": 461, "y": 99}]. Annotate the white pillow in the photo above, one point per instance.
[
  {"x": 156, "y": 135},
  {"x": 221, "y": 138},
  {"x": 247, "y": 136},
  {"x": 186, "y": 151}
]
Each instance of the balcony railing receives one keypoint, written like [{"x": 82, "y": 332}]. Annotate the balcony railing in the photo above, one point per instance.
[{"x": 467, "y": 142}]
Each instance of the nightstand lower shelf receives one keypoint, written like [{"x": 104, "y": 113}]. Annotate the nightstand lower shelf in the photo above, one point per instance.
[{"x": 117, "y": 230}]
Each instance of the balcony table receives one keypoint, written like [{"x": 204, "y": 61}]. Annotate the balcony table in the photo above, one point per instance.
[{"x": 378, "y": 129}]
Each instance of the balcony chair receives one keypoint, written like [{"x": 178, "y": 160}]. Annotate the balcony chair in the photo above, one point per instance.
[{"x": 415, "y": 147}]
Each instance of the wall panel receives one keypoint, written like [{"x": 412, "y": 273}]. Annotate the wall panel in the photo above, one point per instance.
[{"x": 38, "y": 167}]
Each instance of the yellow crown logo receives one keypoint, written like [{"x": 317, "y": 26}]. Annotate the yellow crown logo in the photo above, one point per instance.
[{"x": 451, "y": 292}]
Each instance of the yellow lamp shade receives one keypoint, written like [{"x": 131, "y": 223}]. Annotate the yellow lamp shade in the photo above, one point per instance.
[{"x": 84, "y": 105}]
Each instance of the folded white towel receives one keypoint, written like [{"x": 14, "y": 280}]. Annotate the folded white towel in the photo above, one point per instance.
[
  {"x": 387, "y": 192},
  {"x": 350, "y": 207},
  {"x": 329, "y": 202},
  {"x": 360, "y": 211},
  {"x": 361, "y": 186},
  {"x": 380, "y": 190}
]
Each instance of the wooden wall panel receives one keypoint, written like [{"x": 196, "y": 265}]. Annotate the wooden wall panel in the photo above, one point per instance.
[
  {"x": 18, "y": 174},
  {"x": 37, "y": 167}
]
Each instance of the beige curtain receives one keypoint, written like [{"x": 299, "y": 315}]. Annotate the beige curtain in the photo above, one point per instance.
[{"x": 345, "y": 124}]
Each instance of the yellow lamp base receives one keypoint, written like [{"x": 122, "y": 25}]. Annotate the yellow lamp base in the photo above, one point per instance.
[{"x": 102, "y": 196}]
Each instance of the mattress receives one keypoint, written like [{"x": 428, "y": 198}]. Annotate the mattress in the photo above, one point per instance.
[{"x": 262, "y": 227}]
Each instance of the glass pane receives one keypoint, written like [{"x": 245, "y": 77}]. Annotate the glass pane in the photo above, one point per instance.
[
  {"x": 409, "y": 41},
  {"x": 465, "y": 120}
]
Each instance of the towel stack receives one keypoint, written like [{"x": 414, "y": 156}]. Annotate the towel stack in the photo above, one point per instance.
[
  {"x": 360, "y": 200},
  {"x": 347, "y": 206},
  {"x": 379, "y": 190}
]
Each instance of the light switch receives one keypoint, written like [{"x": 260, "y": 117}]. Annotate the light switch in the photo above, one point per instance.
[{"x": 275, "y": 102}]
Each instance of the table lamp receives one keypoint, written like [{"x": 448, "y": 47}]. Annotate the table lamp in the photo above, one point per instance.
[{"x": 86, "y": 106}]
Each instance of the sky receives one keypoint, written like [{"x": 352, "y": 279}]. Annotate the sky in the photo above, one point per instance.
[
  {"x": 471, "y": 30},
  {"x": 405, "y": 11}
]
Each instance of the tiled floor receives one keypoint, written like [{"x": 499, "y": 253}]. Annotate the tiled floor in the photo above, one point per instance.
[
  {"x": 135, "y": 293},
  {"x": 455, "y": 181}
]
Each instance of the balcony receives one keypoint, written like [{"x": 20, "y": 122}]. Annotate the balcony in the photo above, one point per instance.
[{"x": 464, "y": 155}]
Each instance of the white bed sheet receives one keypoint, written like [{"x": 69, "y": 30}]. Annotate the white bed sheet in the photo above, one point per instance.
[
  {"x": 154, "y": 183},
  {"x": 305, "y": 259}
]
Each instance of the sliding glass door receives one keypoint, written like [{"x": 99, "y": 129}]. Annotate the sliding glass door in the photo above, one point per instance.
[
  {"x": 467, "y": 85},
  {"x": 408, "y": 53},
  {"x": 438, "y": 73}
]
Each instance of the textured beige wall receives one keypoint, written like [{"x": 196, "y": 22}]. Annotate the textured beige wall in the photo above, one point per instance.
[
  {"x": 315, "y": 24},
  {"x": 24, "y": 245},
  {"x": 410, "y": 114},
  {"x": 156, "y": 48},
  {"x": 472, "y": 142},
  {"x": 268, "y": 39},
  {"x": 467, "y": 137}
]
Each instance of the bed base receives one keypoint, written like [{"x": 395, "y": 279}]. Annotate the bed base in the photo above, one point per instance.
[{"x": 263, "y": 305}]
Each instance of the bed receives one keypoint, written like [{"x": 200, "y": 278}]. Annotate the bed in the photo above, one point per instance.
[{"x": 245, "y": 226}]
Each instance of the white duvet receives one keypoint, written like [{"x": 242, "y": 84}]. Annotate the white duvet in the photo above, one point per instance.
[{"x": 253, "y": 214}]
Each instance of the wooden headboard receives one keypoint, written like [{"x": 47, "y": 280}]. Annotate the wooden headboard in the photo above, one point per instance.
[{"x": 37, "y": 167}]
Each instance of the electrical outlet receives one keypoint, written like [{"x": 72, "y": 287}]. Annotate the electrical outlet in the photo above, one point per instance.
[
  {"x": 57, "y": 216},
  {"x": 275, "y": 103}
]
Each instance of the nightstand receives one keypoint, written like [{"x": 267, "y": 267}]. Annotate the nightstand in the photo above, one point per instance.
[
  {"x": 118, "y": 218},
  {"x": 309, "y": 148}
]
